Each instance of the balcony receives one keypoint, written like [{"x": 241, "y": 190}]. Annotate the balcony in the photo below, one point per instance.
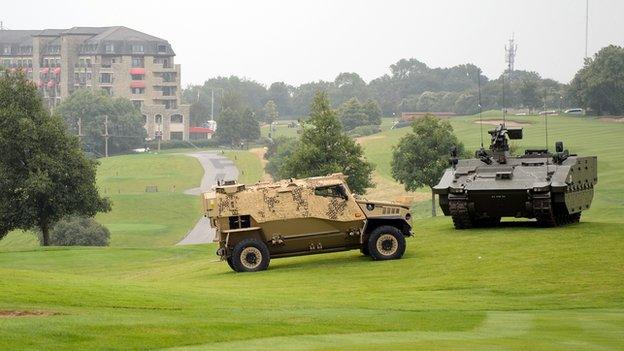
[
  {"x": 160, "y": 82},
  {"x": 159, "y": 67}
]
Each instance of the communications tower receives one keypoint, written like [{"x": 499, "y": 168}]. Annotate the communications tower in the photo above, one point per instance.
[{"x": 510, "y": 54}]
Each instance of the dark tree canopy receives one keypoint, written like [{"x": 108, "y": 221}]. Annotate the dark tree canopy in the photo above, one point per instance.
[
  {"x": 421, "y": 156},
  {"x": 44, "y": 174},
  {"x": 125, "y": 122},
  {"x": 599, "y": 85},
  {"x": 325, "y": 149},
  {"x": 411, "y": 86},
  {"x": 236, "y": 123}
]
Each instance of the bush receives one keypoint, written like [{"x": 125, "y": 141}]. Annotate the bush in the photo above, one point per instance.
[
  {"x": 364, "y": 131},
  {"x": 79, "y": 231}
]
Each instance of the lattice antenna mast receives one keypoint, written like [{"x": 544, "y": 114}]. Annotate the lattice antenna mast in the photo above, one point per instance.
[{"x": 510, "y": 54}]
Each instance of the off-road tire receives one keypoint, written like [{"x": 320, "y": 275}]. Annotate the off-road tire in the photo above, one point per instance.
[
  {"x": 250, "y": 255},
  {"x": 386, "y": 243},
  {"x": 229, "y": 262}
]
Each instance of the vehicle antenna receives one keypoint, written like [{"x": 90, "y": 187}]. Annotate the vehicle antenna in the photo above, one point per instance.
[
  {"x": 479, "y": 104},
  {"x": 545, "y": 118},
  {"x": 504, "y": 108}
]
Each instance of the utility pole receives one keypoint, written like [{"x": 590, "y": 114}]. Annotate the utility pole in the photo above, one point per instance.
[
  {"x": 212, "y": 104},
  {"x": 80, "y": 128},
  {"x": 106, "y": 136},
  {"x": 586, "y": 25}
]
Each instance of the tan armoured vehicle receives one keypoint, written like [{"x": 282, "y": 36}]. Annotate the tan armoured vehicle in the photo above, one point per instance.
[{"x": 255, "y": 223}]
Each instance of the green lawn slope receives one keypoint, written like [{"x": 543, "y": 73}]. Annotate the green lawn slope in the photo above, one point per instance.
[{"x": 517, "y": 287}]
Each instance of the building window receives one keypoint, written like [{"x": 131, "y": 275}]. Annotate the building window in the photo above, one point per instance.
[
  {"x": 137, "y": 61},
  {"x": 144, "y": 119},
  {"x": 6, "y": 50},
  {"x": 177, "y": 118},
  {"x": 137, "y": 90},
  {"x": 176, "y": 135},
  {"x": 138, "y": 76},
  {"x": 162, "y": 49},
  {"x": 137, "y": 49},
  {"x": 106, "y": 78},
  {"x": 158, "y": 119},
  {"x": 171, "y": 104},
  {"x": 168, "y": 91},
  {"x": 110, "y": 48},
  {"x": 137, "y": 104},
  {"x": 168, "y": 77}
]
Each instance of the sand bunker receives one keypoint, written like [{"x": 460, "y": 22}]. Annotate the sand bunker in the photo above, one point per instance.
[
  {"x": 498, "y": 122},
  {"x": 363, "y": 139},
  {"x": 612, "y": 119},
  {"x": 18, "y": 313}
]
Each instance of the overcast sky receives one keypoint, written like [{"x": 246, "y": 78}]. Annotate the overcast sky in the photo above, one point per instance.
[{"x": 301, "y": 41}]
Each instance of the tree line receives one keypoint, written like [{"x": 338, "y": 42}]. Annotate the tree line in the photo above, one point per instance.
[{"x": 410, "y": 86}]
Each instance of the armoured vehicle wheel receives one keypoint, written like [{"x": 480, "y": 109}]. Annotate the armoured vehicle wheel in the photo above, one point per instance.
[
  {"x": 386, "y": 243},
  {"x": 250, "y": 255},
  {"x": 364, "y": 249}
]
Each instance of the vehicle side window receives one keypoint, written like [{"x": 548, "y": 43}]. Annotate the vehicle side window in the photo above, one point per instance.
[
  {"x": 330, "y": 191},
  {"x": 238, "y": 222}
]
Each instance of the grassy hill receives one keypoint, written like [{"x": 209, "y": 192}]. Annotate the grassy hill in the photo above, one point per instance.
[
  {"x": 514, "y": 288},
  {"x": 140, "y": 218}
]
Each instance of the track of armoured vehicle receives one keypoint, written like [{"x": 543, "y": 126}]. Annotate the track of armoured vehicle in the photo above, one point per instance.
[{"x": 553, "y": 188}]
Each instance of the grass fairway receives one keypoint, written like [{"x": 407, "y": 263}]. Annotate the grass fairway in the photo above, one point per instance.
[
  {"x": 139, "y": 218},
  {"x": 143, "y": 219},
  {"x": 248, "y": 165},
  {"x": 517, "y": 287}
]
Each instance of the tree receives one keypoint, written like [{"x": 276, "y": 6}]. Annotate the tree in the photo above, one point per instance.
[
  {"x": 125, "y": 123},
  {"x": 270, "y": 112},
  {"x": 278, "y": 151},
  {"x": 598, "y": 85},
  {"x": 372, "y": 110},
  {"x": 200, "y": 113},
  {"x": 529, "y": 94},
  {"x": 421, "y": 157},
  {"x": 250, "y": 126},
  {"x": 352, "y": 114},
  {"x": 236, "y": 122},
  {"x": 325, "y": 149},
  {"x": 44, "y": 174},
  {"x": 281, "y": 93},
  {"x": 79, "y": 231}
]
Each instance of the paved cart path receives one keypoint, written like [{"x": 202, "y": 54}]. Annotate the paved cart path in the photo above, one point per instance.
[{"x": 216, "y": 167}]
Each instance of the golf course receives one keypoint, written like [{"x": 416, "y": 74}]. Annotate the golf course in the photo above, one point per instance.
[{"x": 516, "y": 287}]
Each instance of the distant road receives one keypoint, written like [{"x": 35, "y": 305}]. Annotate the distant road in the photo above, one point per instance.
[{"x": 216, "y": 167}]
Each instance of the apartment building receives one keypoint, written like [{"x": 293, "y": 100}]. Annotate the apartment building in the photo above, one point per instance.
[{"x": 117, "y": 60}]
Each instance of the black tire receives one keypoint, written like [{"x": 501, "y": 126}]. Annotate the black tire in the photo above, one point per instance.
[
  {"x": 229, "y": 262},
  {"x": 364, "y": 249},
  {"x": 386, "y": 243},
  {"x": 250, "y": 255}
]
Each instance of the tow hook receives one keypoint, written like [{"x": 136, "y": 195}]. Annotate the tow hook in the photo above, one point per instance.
[{"x": 221, "y": 252}]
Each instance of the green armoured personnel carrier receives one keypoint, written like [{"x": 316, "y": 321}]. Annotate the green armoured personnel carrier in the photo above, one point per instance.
[
  {"x": 255, "y": 223},
  {"x": 553, "y": 188}
]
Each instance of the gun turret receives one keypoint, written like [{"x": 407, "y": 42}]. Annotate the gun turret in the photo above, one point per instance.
[{"x": 499, "y": 144}]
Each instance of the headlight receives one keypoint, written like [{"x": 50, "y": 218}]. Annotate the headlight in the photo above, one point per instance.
[{"x": 408, "y": 216}]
